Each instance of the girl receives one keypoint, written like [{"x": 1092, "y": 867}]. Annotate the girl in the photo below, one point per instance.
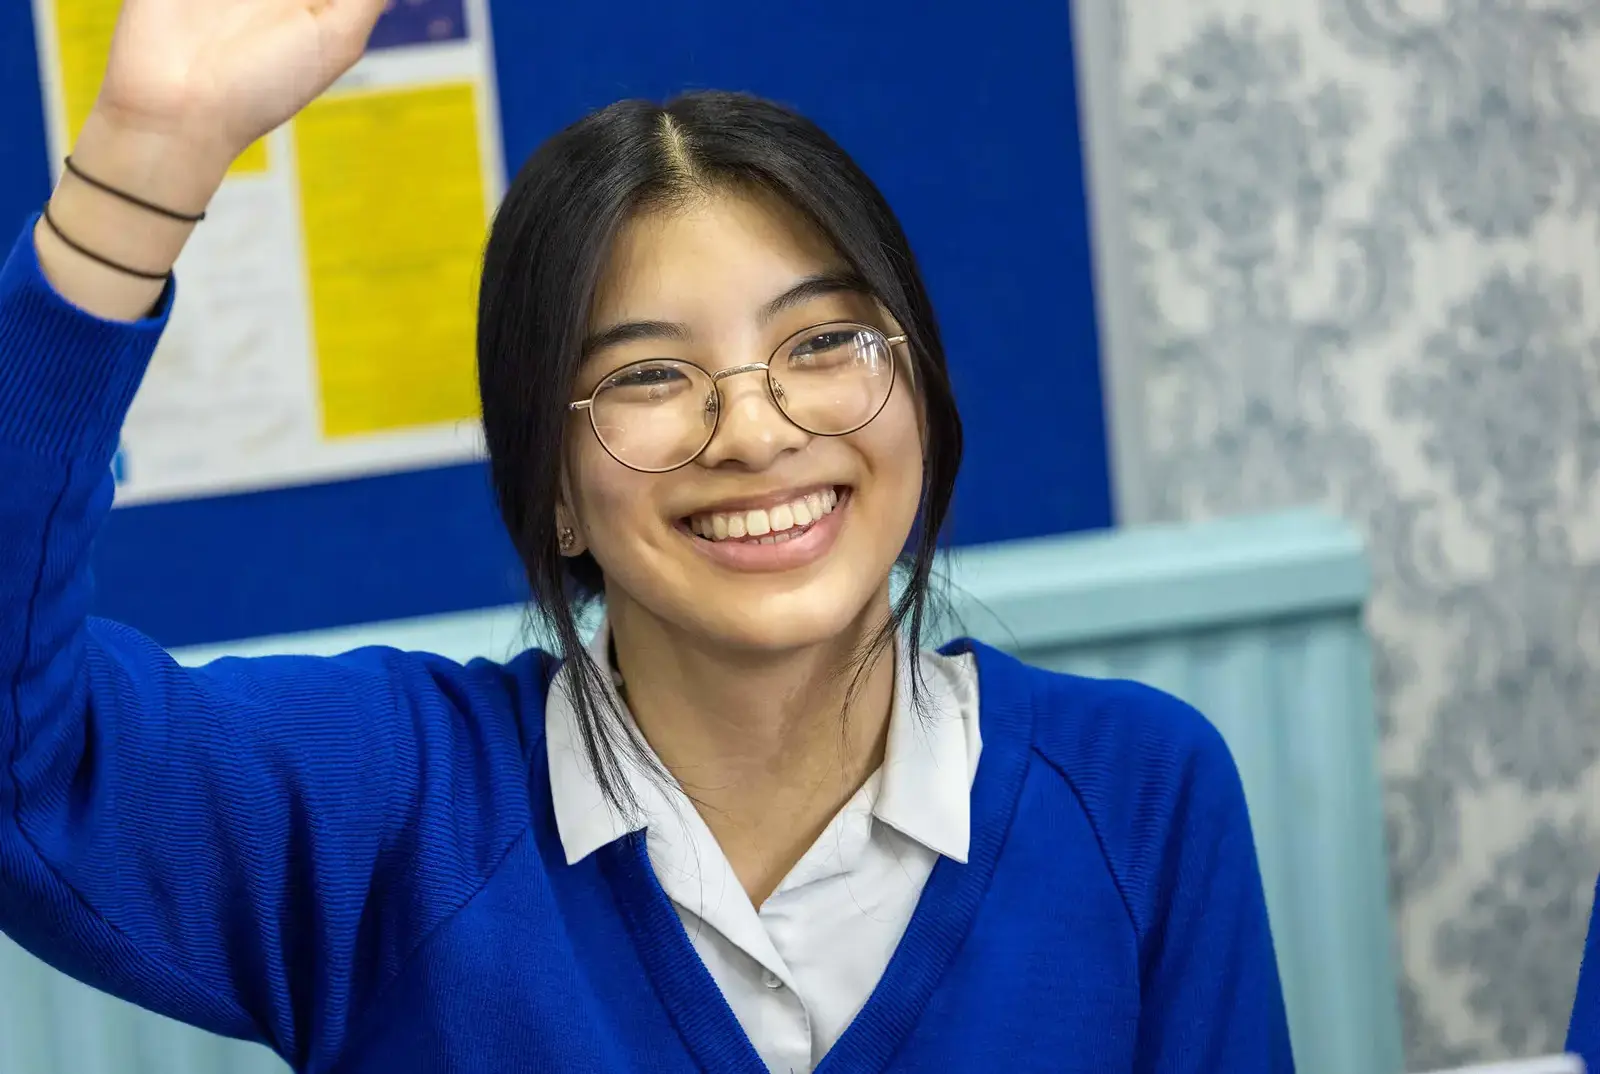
[{"x": 749, "y": 826}]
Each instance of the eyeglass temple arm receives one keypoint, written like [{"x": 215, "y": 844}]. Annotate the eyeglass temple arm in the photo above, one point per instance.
[{"x": 581, "y": 404}]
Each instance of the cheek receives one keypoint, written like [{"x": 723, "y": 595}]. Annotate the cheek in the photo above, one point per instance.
[
  {"x": 608, "y": 498},
  {"x": 893, "y": 448}
]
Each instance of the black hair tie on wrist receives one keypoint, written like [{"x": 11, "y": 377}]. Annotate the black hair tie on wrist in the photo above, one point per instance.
[
  {"x": 147, "y": 206},
  {"x": 100, "y": 258}
]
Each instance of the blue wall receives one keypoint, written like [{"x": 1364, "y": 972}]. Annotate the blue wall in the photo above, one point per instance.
[{"x": 966, "y": 117}]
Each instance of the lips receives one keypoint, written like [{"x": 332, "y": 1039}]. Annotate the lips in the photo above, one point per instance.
[
  {"x": 767, "y": 525},
  {"x": 797, "y": 546}
]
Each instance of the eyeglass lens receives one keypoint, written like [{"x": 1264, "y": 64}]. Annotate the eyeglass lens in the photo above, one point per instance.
[{"x": 659, "y": 414}]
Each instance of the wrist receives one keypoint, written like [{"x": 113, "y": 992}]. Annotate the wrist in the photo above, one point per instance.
[
  {"x": 176, "y": 168},
  {"x": 104, "y": 252}
]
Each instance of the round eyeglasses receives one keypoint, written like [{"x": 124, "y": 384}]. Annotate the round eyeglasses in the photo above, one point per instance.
[{"x": 659, "y": 414}]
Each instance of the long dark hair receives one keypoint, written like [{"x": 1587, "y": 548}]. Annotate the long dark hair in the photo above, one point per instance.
[{"x": 549, "y": 244}]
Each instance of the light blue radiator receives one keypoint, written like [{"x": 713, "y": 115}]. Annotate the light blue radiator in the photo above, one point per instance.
[{"x": 1256, "y": 622}]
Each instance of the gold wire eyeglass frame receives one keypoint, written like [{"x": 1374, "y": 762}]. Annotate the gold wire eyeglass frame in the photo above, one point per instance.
[{"x": 774, "y": 392}]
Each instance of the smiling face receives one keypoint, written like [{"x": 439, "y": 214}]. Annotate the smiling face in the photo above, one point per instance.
[{"x": 726, "y": 281}]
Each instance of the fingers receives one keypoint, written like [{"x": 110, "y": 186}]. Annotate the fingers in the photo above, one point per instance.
[{"x": 349, "y": 23}]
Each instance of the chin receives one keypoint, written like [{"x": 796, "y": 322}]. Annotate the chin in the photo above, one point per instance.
[{"x": 784, "y": 619}]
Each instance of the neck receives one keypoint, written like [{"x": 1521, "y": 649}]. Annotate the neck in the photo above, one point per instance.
[{"x": 768, "y": 745}]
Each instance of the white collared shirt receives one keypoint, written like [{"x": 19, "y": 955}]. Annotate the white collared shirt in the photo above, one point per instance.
[{"x": 797, "y": 970}]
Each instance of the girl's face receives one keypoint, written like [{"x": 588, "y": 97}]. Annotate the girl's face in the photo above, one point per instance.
[{"x": 722, "y": 282}]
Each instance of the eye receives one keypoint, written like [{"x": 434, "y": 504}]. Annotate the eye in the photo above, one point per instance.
[
  {"x": 645, "y": 377},
  {"x": 647, "y": 382},
  {"x": 827, "y": 348}
]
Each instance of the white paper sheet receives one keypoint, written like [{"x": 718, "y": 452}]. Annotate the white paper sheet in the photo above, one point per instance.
[{"x": 1555, "y": 1064}]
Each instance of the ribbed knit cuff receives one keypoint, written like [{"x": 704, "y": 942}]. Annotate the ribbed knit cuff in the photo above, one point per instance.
[{"x": 67, "y": 377}]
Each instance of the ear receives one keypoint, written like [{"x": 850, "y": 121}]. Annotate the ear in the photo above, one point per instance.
[{"x": 569, "y": 535}]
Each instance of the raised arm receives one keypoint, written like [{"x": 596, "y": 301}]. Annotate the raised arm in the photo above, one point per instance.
[{"x": 235, "y": 846}]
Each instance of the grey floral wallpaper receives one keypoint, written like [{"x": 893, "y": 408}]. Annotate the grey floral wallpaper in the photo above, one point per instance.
[{"x": 1366, "y": 241}]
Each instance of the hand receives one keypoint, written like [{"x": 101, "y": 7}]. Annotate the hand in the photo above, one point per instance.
[
  {"x": 189, "y": 85},
  {"x": 218, "y": 74}
]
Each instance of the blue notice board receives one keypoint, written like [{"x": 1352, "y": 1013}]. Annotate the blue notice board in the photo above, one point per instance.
[
  {"x": 417, "y": 22},
  {"x": 966, "y": 117}
]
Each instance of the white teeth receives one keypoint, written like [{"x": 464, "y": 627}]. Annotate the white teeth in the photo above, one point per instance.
[{"x": 769, "y": 525}]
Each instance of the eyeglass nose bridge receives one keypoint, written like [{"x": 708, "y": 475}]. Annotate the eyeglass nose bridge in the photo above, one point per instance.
[
  {"x": 774, "y": 389},
  {"x": 749, "y": 367}
]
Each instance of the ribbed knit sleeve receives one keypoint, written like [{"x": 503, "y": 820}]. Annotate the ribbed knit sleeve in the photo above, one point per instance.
[
  {"x": 1164, "y": 797},
  {"x": 253, "y": 847},
  {"x": 1211, "y": 984}
]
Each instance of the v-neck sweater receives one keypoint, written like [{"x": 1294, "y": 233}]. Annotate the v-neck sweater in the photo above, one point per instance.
[
  {"x": 354, "y": 860},
  {"x": 796, "y": 969}
]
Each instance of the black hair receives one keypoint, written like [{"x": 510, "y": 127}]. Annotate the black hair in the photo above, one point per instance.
[{"x": 546, "y": 252}]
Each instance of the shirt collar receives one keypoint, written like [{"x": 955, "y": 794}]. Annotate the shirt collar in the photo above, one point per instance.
[
  {"x": 932, "y": 754},
  {"x": 924, "y": 793},
  {"x": 585, "y": 819}
]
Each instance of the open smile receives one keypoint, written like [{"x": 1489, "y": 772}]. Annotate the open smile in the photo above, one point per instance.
[{"x": 779, "y": 537}]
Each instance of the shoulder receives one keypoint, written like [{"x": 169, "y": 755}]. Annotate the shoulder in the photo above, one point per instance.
[
  {"x": 1106, "y": 734},
  {"x": 1154, "y": 777},
  {"x": 416, "y": 717},
  {"x": 487, "y": 716},
  {"x": 1105, "y": 731},
  {"x": 492, "y": 697},
  {"x": 374, "y": 680}
]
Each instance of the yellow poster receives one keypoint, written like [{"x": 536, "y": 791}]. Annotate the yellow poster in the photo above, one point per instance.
[{"x": 392, "y": 201}]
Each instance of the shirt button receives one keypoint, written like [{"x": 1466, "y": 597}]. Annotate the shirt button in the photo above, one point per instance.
[{"x": 770, "y": 979}]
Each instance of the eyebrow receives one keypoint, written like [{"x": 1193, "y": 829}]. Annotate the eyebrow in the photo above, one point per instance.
[
  {"x": 819, "y": 285},
  {"x": 633, "y": 332}
]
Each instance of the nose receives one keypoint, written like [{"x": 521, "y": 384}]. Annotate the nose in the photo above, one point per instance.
[{"x": 751, "y": 431}]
